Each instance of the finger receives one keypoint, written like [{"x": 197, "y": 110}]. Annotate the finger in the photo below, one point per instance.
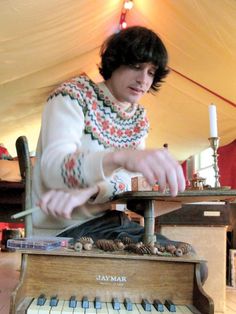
[
  {"x": 180, "y": 178},
  {"x": 45, "y": 199},
  {"x": 179, "y": 172},
  {"x": 64, "y": 206},
  {"x": 159, "y": 167},
  {"x": 172, "y": 181},
  {"x": 67, "y": 209},
  {"x": 148, "y": 173},
  {"x": 55, "y": 203},
  {"x": 75, "y": 199},
  {"x": 160, "y": 174}
]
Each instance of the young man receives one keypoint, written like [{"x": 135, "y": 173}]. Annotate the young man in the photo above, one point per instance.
[
  {"x": 92, "y": 142},
  {"x": 93, "y": 137}
]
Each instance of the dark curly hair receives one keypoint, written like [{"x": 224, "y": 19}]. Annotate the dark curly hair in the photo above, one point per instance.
[{"x": 134, "y": 45}]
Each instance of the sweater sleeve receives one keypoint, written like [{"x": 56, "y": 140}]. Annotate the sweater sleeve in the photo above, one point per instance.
[
  {"x": 64, "y": 165},
  {"x": 118, "y": 182}
]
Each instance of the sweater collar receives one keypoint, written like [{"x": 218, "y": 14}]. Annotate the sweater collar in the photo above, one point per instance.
[{"x": 125, "y": 110}]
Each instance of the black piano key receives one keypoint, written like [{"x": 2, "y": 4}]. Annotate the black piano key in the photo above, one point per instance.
[
  {"x": 146, "y": 305},
  {"x": 72, "y": 302},
  {"x": 53, "y": 301},
  {"x": 85, "y": 303},
  {"x": 97, "y": 303},
  {"x": 158, "y": 305},
  {"x": 116, "y": 304},
  {"x": 170, "y": 305},
  {"x": 128, "y": 304},
  {"x": 41, "y": 299}
]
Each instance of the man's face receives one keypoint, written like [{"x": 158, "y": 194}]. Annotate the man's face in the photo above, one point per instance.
[{"x": 130, "y": 83}]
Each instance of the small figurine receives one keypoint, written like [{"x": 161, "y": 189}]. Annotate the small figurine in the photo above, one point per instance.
[{"x": 197, "y": 182}]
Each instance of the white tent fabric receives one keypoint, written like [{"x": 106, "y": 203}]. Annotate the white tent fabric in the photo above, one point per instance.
[{"x": 45, "y": 42}]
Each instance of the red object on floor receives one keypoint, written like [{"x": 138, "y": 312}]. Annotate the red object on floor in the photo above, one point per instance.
[{"x": 10, "y": 225}]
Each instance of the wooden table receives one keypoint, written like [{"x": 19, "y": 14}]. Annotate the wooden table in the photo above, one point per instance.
[{"x": 144, "y": 202}]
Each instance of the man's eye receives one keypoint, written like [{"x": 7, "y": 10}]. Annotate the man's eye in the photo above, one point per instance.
[{"x": 152, "y": 73}]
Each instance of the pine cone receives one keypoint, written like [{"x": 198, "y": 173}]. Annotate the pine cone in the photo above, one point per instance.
[
  {"x": 84, "y": 240},
  {"x": 132, "y": 247},
  {"x": 106, "y": 245},
  {"x": 146, "y": 249}
]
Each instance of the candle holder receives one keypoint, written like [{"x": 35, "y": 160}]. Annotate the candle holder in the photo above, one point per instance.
[{"x": 214, "y": 144}]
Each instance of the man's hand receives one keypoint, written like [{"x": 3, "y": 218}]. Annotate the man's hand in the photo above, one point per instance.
[
  {"x": 59, "y": 203},
  {"x": 156, "y": 165}
]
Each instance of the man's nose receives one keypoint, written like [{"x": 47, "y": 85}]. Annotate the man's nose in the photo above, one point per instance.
[{"x": 142, "y": 77}]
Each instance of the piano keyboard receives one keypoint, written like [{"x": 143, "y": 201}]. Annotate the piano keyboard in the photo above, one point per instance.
[
  {"x": 41, "y": 305},
  {"x": 120, "y": 284}
]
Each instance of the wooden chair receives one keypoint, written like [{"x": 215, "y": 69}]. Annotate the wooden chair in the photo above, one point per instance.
[{"x": 25, "y": 165}]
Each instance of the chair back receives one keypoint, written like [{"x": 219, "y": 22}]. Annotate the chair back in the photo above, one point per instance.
[{"x": 25, "y": 166}]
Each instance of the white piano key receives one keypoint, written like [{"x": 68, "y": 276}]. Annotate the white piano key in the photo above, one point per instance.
[
  {"x": 193, "y": 309},
  {"x": 33, "y": 308},
  {"x": 183, "y": 309},
  {"x": 57, "y": 309},
  {"x": 123, "y": 309},
  {"x": 78, "y": 309},
  {"x": 122, "y": 306},
  {"x": 45, "y": 309},
  {"x": 66, "y": 309},
  {"x": 110, "y": 309},
  {"x": 91, "y": 309},
  {"x": 135, "y": 309},
  {"x": 103, "y": 310},
  {"x": 141, "y": 309}
]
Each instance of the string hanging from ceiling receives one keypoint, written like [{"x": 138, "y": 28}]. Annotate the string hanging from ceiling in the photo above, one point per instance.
[{"x": 127, "y": 6}]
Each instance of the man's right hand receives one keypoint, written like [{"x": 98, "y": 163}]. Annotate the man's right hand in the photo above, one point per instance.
[
  {"x": 156, "y": 165},
  {"x": 60, "y": 203}
]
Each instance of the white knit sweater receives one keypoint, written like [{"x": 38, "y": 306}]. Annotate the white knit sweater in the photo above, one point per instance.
[{"x": 81, "y": 122}]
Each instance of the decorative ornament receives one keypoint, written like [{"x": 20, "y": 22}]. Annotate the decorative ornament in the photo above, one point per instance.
[{"x": 127, "y": 6}]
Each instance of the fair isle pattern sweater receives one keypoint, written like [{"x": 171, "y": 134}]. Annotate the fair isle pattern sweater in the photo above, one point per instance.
[{"x": 81, "y": 122}]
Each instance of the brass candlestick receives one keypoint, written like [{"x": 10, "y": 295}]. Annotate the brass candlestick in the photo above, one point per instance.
[{"x": 214, "y": 143}]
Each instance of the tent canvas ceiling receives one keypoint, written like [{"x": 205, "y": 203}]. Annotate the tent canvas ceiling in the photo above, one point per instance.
[{"x": 45, "y": 42}]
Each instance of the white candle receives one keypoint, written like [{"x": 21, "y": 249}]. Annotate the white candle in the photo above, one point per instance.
[{"x": 213, "y": 121}]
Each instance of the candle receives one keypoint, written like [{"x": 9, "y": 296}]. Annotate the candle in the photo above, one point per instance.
[{"x": 213, "y": 121}]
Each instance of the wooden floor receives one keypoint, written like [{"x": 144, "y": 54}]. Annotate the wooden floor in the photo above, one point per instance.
[{"x": 10, "y": 271}]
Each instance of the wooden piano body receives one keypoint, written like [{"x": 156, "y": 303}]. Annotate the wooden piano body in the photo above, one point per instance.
[
  {"x": 95, "y": 274},
  {"x": 110, "y": 275}
]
